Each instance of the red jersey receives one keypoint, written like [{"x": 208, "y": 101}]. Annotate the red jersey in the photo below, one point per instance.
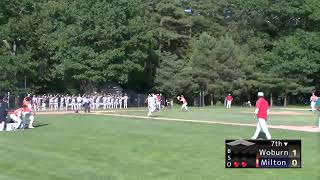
[
  {"x": 229, "y": 98},
  {"x": 263, "y": 107},
  {"x": 27, "y": 107},
  {"x": 313, "y": 98},
  {"x": 158, "y": 98}
]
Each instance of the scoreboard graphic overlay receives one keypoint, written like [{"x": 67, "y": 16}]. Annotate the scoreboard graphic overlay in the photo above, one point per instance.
[{"x": 263, "y": 153}]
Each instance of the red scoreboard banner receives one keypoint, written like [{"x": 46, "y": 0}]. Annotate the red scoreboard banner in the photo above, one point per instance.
[{"x": 263, "y": 153}]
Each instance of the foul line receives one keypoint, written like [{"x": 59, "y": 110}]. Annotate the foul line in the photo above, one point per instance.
[{"x": 292, "y": 128}]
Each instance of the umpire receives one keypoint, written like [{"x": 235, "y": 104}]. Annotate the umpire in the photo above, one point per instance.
[{"x": 3, "y": 112}]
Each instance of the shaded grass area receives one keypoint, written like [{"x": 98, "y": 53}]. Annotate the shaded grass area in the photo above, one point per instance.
[{"x": 103, "y": 147}]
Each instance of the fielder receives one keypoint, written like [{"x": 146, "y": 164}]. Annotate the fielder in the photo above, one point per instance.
[
  {"x": 313, "y": 100},
  {"x": 229, "y": 99},
  {"x": 184, "y": 106},
  {"x": 261, "y": 112},
  {"x": 27, "y": 112}
]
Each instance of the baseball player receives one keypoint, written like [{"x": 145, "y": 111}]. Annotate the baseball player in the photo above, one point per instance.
[
  {"x": 184, "y": 106},
  {"x": 27, "y": 112},
  {"x": 229, "y": 99},
  {"x": 79, "y": 102},
  {"x": 151, "y": 100},
  {"x": 261, "y": 113},
  {"x": 313, "y": 100},
  {"x": 16, "y": 117},
  {"x": 104, "y": 102},
  {"x": 51, "y": 103},
  {"x": 56, "y": 102},
  {"x": 62, "y": 99},
  {"x": 125, "y": 101}
]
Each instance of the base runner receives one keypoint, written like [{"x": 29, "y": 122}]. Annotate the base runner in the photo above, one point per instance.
[
  {"x": 184, "y": 106},
  {"x": 16, "y": 118},
  {"x": 151, "y": 104},
  {"x": 261, "y": 113}
]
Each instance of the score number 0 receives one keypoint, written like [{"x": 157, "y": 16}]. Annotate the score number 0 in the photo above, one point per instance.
[{"x": 294, "y": 162}]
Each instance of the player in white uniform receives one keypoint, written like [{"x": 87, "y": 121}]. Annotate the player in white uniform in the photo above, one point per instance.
[
  {"x": 43, "y": 103},
  {"x": 98, "y": 102},
  {"x": 108, "y": 101},
  {"x": 62, "y": 99},
  {"x": 56, "y": 103},
  {"x": 79, "y": 102},
  {"x": 104, "y": 102},
  {"x": 120, "y": 101},
  {"x": 34, "y": 103},
  {"x": 51, "y": 102},
  {"x": 112, "y": 102},
  {"x": 125, "y": 101},
  {"x": 151, "y": 104},
  {"x": 16, "y": 117},
  {"x": 73, "y": 103},
  {"x": 116, "y": 102},
  {"x": 67, "y": 101}
]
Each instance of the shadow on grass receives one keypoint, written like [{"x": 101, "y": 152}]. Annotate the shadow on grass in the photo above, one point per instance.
[{"x": 40, "y": 125}]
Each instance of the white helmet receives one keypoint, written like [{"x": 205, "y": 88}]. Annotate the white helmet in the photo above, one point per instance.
[{"x": 260, "y": 94}]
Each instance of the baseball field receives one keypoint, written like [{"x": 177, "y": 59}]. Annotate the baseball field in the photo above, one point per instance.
[{"x": 172, "y": 145}]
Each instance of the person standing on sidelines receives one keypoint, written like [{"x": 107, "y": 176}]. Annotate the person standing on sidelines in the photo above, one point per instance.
[
  {"x": 184, "y": 106},
  {"x": 261, "y": 113},
  {"x": 125, "y": 101},
  {"x": 86, "y": 104},
  {"x": 313, "y": 100},
  {"x": 229, "y": 99},
  {"x": 3, "y": 113},
  {"x": 62, "y": 99}
]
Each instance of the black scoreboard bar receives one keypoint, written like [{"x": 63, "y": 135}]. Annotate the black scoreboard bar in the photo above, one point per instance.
[{"x": 263, "y": 153}]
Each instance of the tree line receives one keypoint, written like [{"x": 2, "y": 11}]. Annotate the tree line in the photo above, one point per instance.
[{"x": 174, "y": 47}]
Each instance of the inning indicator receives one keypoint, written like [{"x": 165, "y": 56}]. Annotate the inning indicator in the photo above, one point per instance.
[{"x": 263, "y": 153}]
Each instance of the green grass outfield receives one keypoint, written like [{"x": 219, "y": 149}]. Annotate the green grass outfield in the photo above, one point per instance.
[{"x": 105, "y": 147}]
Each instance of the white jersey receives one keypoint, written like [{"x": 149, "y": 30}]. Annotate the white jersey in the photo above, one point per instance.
[
  {"x": 79, "y": 99},
  {"x": 51, "y": 100},
  {"x": 151, "y": 101}
]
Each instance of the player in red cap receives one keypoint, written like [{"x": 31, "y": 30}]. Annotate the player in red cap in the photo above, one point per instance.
[{"x": 261, "y": 113}]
